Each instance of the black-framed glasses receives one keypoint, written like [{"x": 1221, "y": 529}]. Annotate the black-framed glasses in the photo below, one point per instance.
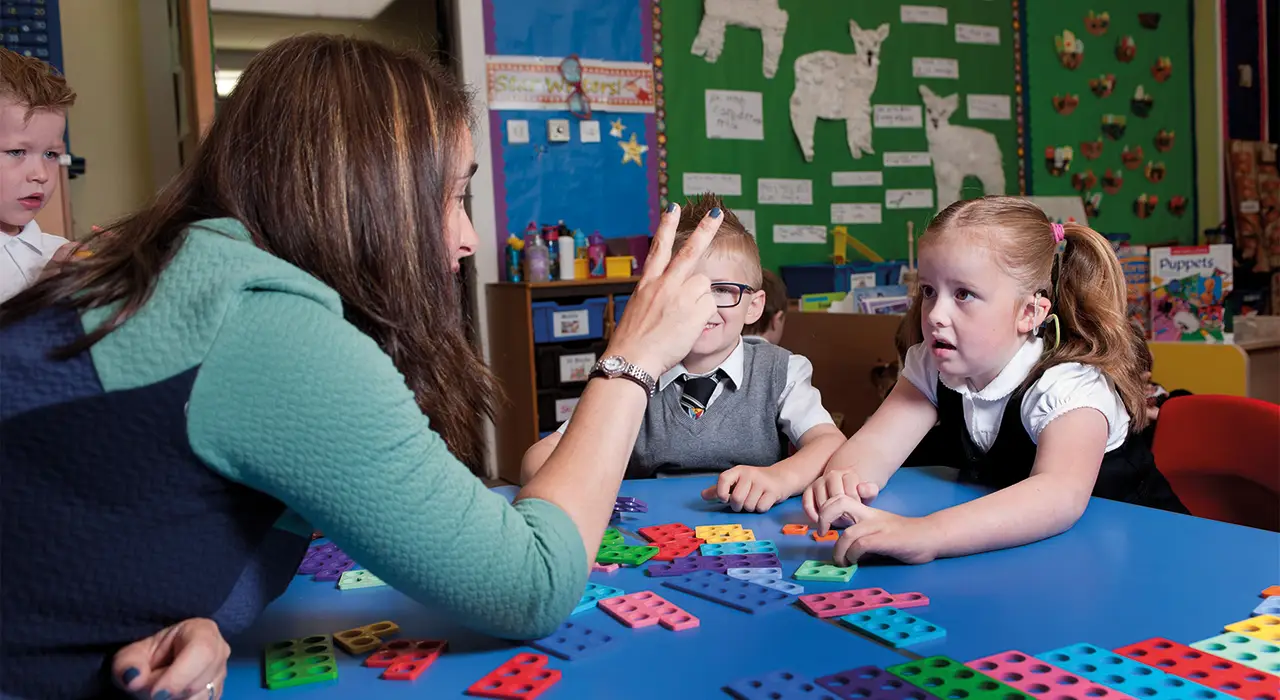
[
  {"x": 571, "y": 71},
  {"x": 729, "y": 294}
]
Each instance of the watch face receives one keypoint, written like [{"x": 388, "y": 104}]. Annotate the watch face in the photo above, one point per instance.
[{"x": 612, "y": 364}]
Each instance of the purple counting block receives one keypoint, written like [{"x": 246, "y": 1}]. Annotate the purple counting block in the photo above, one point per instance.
[
  {"x": 322, "y": 548},
  {"x": 718, "y": 564},
  {"x": 333, "y": 571},
  {"x": 871, "y": 683},
  {"x": 778, "y": 685}
]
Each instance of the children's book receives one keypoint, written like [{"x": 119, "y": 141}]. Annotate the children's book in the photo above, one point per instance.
[
  {"x": 862, "y": 297},
  {"x": 1136, "y": 262},
  {"x": 1189, "y": 286}
]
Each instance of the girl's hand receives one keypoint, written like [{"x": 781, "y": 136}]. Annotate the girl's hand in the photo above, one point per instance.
[
  {"x": 753, "y": 489},
  {"x": 909, "y": 540},
  {"x": 833, "y": 484},
  {"x": 175, "y": 663}
]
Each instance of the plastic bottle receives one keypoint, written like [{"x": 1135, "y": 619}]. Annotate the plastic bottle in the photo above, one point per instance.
[
  {"x": 552, "y": 236},
  {"x": 580, "y": 244},
  {"x": 568, "y": 251},
  {"x": 537, "y": 263},
  {"x": 515, "y": 246},
  {"x": 596, "y": 253}
]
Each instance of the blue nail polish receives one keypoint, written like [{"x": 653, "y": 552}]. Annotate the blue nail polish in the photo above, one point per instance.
[
  {"x": 129, "y": 674},
  {"x": 162, "y": 695},
  {"x": 671, "y": 207},
  {"x": 715, "y": 213}
]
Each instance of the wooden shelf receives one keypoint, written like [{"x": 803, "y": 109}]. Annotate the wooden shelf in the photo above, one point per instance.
[{"x": 558, "y": 284}]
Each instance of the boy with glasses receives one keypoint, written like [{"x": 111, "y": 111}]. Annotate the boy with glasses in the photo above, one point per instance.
[{"x": 736, "y": 404}]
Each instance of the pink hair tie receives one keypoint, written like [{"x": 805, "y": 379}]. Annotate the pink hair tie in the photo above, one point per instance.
[{"x": 1059, "y": 233}]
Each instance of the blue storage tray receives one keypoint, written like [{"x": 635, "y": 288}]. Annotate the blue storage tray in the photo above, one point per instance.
[
  {"x": 619, "y": 306},
  {"x": 554, "y": 322}
]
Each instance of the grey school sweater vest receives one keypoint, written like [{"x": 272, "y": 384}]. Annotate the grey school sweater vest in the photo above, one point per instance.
[{"x": 740, "y": 427}]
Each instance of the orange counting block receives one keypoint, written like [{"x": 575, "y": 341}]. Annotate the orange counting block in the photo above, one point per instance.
[
  {"x": 794, "y": 529},
  {"x": 1270, "y": 591},
  {"x": 831, "y": 536}
]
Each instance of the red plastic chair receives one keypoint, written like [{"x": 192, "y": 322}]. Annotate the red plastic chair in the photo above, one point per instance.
[{"x": 1221, "y": 454}]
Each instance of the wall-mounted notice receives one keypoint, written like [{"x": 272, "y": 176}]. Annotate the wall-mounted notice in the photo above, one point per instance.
[
  {"x": 920, "y": 14},
  {"x": 935, "y": 67},
  {"x": 747, "y": 218},
  {"x": 784, "y": 191},
  {"x": 898, "y": 117},
  {"x": 908, "y": 199},
  {"x": 989, "y": 107},
  {"x": 735, "y": 114},
  {"x": 977, "y": 34},
  {"x": 855, "y": 214},
  {"x": 907, "y": 159},
  {"x": 859, "y": 178},
  {"x": 723, "y": 184},
  {"x": 783, "y": 233}
]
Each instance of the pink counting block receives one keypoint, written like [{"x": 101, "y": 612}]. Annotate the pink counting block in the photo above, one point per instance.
[
  {"x": 645, "y": 609},
  {"x": 1045, "y": 682},
  {"x": 840, "y": 603},
  {"x": 607, "y": 568}
]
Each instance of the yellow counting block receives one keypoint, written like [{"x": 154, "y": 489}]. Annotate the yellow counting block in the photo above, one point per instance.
[
  {"x": 741, "y": 536},
  {"x": 369, "y": 637},
  {"x": 1265, "y": 627},
  {"x": 702, "y": 532}
]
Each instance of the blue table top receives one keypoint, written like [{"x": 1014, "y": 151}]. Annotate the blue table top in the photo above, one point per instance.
[{"x": 1121, "y": 575}]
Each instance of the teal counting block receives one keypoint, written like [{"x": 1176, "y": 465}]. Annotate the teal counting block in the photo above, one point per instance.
[
  {"x": 894, "y": 627},
  {"x": 1244, "y": 650},
  {"x": 358, "y": 578},
  {"x": 756, "y": 547},
  {"x": 1135, "y": 679},
  {"x": 594, "y": 594},
  {"x": 771, "y": 572},
  {"x": 813, "y": 570}
]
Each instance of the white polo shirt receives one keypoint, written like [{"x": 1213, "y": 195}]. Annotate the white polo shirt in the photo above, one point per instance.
[{"x": 23, "y": 257}]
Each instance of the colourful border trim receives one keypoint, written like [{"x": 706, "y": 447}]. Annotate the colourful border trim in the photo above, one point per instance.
[
  {"x": 650, "y": 36},
  {"x": 1022, "y": 94},
  {"x": 660, "y": 106}
]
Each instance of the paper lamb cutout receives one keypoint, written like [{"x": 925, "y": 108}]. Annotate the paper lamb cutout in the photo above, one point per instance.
[
  {"x": 832, "y": 85},
  {"x": 752, "y": 14},
  {"x": 957, "y": 151}
]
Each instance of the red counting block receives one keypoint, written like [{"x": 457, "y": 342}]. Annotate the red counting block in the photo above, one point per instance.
[
  {"x": 677, "y": 549},
  {"x": 523, "y": 677},
  {"x": 1206, "y": 669},
  {"x": 840, "y": 603},
  {"x": 659, "y": 534},
  {"x": 405, "y": 651}
]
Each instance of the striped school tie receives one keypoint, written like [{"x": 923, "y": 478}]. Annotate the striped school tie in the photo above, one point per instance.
[{"x": 697, "y": 392}]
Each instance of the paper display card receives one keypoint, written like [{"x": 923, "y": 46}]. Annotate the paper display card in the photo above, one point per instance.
[
  {"x": 747, "y": 218},
  {"x": 783, "y": 233},
  {"x": 589, "y": 132},
  {"x": 564, "y": 409},
  {"x": 989, "y": 107},
  {"x": 908, "y": 199},
  {"x": 908, "y": 159},
  {"x": 784, "y": 191},
  {"x": 861, "y": 178},
  {"x": 977, "y": 34},
  {"x": 935, "y": 67},
  {"x": 858, "y": 280},
  {"x": 898, "y": 117},
  {"x": 922, "y": 14},
  {"x": 575, "y": 368},
  {"x": 723, "y": 184},
  {"x": 855, "y": 213},
  {"x": 735, "y": 114},
  {"x": 570, "y": 323}
]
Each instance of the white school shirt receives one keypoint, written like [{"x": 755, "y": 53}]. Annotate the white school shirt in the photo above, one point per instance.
[
  {"x": 1062, "y": 388},
  {"x": 23, "y": 258},
  {"x": 799, "y": 404}
]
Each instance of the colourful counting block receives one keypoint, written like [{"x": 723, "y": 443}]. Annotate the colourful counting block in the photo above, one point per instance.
[
  {"x": 672, "y": 550},
  {"x": 744, "y": 536},
  {"x": 751, "y": 547},
  {"x": 1243, "y": 649},
  {"x": 645, "y": 609},
  {"x": 1027, "y": 673},
  {"x": 1204, "y": 668},
  {"x": 735, "y": 593},
  {"x": 831, "y": 536},
  {"x": 894, "y": 627},
  {"x": 1270, "y": 606},
  {"x": 606, "y": 568},
  {"x": 746, "y": 574},
  {"x": 795, "y": 529},
  {"x": 779, "y": 585},
  {"x": 333, "y": 570},
  {"x": 358, "y": 578},
  {"x": 572, "y": 641},
  {"x": 839, "y": 603},
  {"x": 778, "y": 685},
  {"x": 595, "y": 593},
  {"x": 870, "y": 683},
  {"x": 302, "y": 661},
  {"x": 522, "y": 677},
  {"x": 362, "y": 639},
  {"x": 1126, "y": 675},
  {"x": 630, "y": 505},
  {"x": 1270, "y": 591},
  {"x": 720, "y": 564},
  {"x": 1264, "y": 627},
  {"x": 813, "y": 570},
  {"x": 626, "y": 555},
  {"x": 659, "y": 534},
  {"x": 405, "y": 651},
  {"x": 705, "y": 531},
  {"x": 947, "y": 678},
  {"x": 611, "y": 538}
]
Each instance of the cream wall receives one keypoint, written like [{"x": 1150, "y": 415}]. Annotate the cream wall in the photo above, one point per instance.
[{"x": 408, "y": 23}]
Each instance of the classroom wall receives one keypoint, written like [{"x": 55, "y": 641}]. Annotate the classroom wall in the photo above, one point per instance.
[
  {"x": 408, "y": 23},
  {"x": 1208, "y": 111}
]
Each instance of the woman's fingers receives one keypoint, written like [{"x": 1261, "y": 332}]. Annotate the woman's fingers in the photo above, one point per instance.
[{"x": 660, "y": 251}]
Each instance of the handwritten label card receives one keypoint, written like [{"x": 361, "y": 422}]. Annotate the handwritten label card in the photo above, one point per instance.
[
  {"x": 734, "y": 114},
  {"x": 921, "y": 14},
  {"x": 898, "y": 117},
  {"x": 989, "y": 107},
  {"x": 935, "y": 67},
  {"x": 870, "y": 178},
  {"x": 977, "y": 34},
  {"x": 783, "y": 233},
  {"x": 855, "y": 213},
  {"x": 908, "y": 199},
  {"x": 747, "y": 218},
  {"x": 783, "y": 191},
  {"x": 918, "y": 159},
  {"x": 723, "y": 184}
]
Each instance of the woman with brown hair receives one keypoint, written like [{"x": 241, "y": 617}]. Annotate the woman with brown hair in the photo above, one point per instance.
[{"x": 275, "y": 343}]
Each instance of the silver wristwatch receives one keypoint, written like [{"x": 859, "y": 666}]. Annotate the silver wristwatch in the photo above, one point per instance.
[{"x": 617, "y": 366}]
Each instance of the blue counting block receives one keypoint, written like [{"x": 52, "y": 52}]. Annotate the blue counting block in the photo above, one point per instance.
[
  {"x": 1126, "y": 675},
  {"x": 737, "y": 594},
  {"x": 778, "y": 584},
  {"x": 572, "y": 641},
  {"x": 894, "y": 627},
  {"x": 749, "y": 574},
  {"x": 756, "y": 547},
  {"x": 779, "y": 685},
  {"x": 1270, "y": 606},
  {"x": 595, "y": 593}
]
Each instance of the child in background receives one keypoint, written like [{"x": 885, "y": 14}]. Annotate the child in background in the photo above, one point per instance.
[
  {"x": 1028, "y": 359},
  {"x": 33, "y": 116},
  {"x": 774, "y": 318},
  {"x": 735, "y": 404}
]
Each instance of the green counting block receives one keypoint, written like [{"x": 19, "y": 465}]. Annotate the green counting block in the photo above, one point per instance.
[
  {"x": 300, "y": 662},
  {"x": 813, "y": 570},
  {"x": 612, "y": 538},
  {"x": 1244, "y": 650},
  {"x": 625, "y": 554},
  {"x": 948, "y": 678},
  {"x": 359, "y": 578},
  {"x": 894, "y": 627}
]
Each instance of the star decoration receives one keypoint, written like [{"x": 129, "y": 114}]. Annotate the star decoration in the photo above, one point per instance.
[
  {"x": 616, "y": 128},
  {"x": 632, "y": 151}
]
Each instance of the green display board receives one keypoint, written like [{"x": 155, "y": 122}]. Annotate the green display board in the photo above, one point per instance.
[
  {"x": 984, "y": 69},
  {"x": 1169, "y": 112}
]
